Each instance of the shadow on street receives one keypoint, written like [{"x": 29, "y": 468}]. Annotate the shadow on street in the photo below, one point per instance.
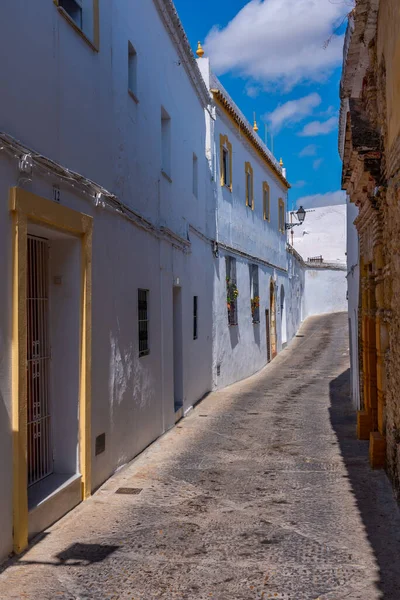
[{"x": 371, "y": 490}]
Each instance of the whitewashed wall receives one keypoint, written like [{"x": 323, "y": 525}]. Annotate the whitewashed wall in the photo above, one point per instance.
[
  {"x": 72, "y": 104},
  {"x": 295, "y": 295},
  {"x": 323, "y": 233},
  {"x": 353, "y": 282},
  {"x": 5, "y": 367},
  {"x": 325, "y": 291},
  {"x": 240, "y": 350}
]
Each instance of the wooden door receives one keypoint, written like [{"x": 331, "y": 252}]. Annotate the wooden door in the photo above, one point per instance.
[
  {"x": 273, "y": 321},
  {"x": 268, "y": 340}
]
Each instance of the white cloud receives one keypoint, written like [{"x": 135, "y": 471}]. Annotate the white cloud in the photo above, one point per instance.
[
  {"x": 299, "y": 184},
  {"x": 319, "y": 127},
  {"x": 317, "y": 163},
  {"x": 328, "y": 199},
  {"x": 293, "y": 111},
  {"x": 310, "y": 150},
  {"x": 280, "y": 41},
  {"x": 252, "y": 91}
]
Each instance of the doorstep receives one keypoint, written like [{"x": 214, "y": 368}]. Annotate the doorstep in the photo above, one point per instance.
[{"x": 50, "y": 499}]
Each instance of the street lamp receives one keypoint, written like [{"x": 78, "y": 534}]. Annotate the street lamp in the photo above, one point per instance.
[{"x": 300, "y": 216}]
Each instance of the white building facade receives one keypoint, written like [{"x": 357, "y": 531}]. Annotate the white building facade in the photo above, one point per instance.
[
  {"x": 143, "y": 243},
  {"x": 353, "y": 283},
  {"x": 251, "y": 286},
  {"x": 107, "y": 268},
  {"x": 322, "y": 244}
]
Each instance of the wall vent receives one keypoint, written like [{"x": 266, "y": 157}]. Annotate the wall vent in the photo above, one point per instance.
[{"x": 218, "y": 369}]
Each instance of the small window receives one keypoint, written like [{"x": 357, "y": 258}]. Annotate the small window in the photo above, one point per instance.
[
  {"x": 143, "y": 320},
  {"x": 195, "y": 176},
  {"x": 226, "y": 162},
  {"x": 281, "y": 216},
  {"x": 195, "y": 302},
  {"x": 249, "y": 185},
  {"x": 84, "y": 16},
  {"x": 132, "y": 71},
  {"x": 254, "y": 294},
  {"x": 74, "y": 10},
  {"x": 225, "y": 165},
  {"x": 232, "y": 293},
  {"x": 266, "y": 202},
  {"x": 165, "y": 143}
]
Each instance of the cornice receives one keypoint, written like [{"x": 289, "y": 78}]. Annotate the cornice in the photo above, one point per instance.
[{"x": 246, "y": 129}]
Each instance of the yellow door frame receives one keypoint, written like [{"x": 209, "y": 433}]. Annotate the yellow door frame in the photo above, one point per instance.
[{"x": 27, "y": 207}]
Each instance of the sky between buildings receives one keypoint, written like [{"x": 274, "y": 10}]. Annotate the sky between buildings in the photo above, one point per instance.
[{"x": 281, "y": 59}]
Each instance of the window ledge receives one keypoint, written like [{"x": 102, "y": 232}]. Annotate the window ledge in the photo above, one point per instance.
[
  {"x": 144, "y": 353},
  {"x": 77, "y": 29},
  {"x": 133, "y": 96},
  {"x": 256, "y": 322},
  {"x": 167, "y": 177}
]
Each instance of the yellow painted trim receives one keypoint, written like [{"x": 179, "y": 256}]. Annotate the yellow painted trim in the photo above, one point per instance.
[
  {"x": 266, "y": 201},
  {"x": 245, "y": 129},
  {"x": 37, "y": 208},
  {"x": 224, "y": 142},
  {"x": 26, "y": 207},
  {"x": 248, "y": 169},
  {"x": 281, "y": 211},
  {"x": 95, "y": 43},
  {"x": 19, "y": 385},
  {"x": 85, "y": 400}
]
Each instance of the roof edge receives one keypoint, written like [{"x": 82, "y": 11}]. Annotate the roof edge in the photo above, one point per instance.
[
  {"x": 173, "y": 25},
  {"x": 223, "y": 99}
]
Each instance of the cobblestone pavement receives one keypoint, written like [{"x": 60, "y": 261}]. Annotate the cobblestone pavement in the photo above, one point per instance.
[{"x": 261, "y": 492}]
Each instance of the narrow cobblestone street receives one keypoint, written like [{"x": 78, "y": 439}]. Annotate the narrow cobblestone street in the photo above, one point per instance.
[{"x": 262, "y": 491}]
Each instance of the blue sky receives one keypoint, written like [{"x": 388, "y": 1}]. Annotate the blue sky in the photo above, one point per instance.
[{"x": 282, "y": 60}]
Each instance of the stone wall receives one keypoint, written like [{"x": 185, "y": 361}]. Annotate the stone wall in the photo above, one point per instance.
[{"x": 371, "y": 176}]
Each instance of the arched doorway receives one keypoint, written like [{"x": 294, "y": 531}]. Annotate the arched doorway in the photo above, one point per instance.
[
  {"x": 283, "y": 316},
  {"x": 272, "y": 305}
]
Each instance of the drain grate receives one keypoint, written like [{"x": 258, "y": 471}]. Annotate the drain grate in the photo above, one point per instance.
[{"x": 129, "y": 491}]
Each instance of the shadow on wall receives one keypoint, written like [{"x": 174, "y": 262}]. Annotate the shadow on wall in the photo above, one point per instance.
[
  {"x": 6, "y": 442},
  {"x": 234, "y": 335},
  {"x": 371, "y": 489}
]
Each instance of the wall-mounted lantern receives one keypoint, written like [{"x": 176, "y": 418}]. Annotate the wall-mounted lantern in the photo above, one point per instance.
[{"x": 300, "y": 216}]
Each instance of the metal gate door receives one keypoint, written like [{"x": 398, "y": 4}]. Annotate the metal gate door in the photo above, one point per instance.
[{"x": 40, "y": 460}]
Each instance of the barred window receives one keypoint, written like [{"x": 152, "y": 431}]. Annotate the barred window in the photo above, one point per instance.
[
  {"x": 254, "y": 293},
  {"x": 232, "y": 292},
  {"x": 195, "y": 317},
  {"x": 266, "y": 203},
  {"x": 281, "y": 216},
  {"x": 249, "y": 185},
  {"x": 143, "y": 321}
]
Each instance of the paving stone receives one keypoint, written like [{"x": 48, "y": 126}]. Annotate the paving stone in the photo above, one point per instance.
[{"x": 269, "y": 496}]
